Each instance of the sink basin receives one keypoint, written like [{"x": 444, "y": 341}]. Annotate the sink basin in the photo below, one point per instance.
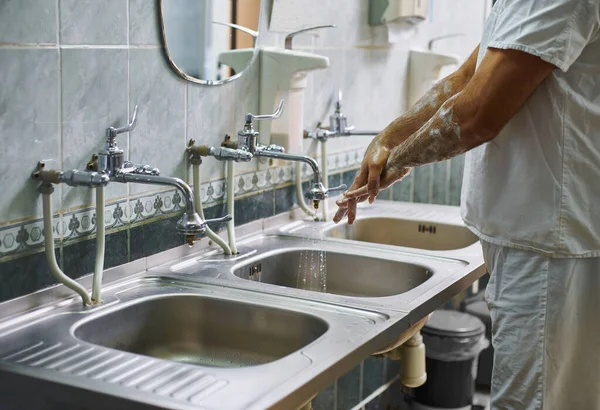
[
  {"x": 402, "y": 232},
  {"x": 204, "y": 331},
  {"x": 337, "y": 273}
]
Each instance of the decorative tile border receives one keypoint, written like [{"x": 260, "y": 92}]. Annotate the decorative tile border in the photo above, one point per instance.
[{"x": 26, "y": 237}]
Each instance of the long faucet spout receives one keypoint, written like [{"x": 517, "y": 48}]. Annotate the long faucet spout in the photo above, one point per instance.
[
  {"x": 293, "y": 157},
  {"x": 190, "y": 224},
  {"x": 178, "y": 183}
]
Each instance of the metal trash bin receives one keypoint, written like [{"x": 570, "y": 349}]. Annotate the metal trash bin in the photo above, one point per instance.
[{"x": 453, "y": 342}]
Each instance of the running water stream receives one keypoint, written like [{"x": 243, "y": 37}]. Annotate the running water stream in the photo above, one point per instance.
[{"x": 312, "y": 267}]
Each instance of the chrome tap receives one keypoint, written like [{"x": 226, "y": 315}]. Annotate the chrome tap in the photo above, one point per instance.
[
  {"x": 247, "y": 141},
  {"x": 338, "y": 126},
  {"x": 247, "y": 147},
  {"x": 111, "y": 163}
]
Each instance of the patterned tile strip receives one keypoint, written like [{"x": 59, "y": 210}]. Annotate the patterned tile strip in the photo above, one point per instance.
[{"x": 28, "y": 236}]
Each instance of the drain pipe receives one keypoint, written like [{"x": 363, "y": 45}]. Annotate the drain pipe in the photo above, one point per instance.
[
  {"x": 300, "y": 194},
  {"x": 91, "y": 179},
  {"x": 231, "y": 207},
  {"x": 59, "y": 275},
  {"x": 195, "y": 157},
  {"x": 199, "y": 209},
  {"x": 410, "y": 350},
  {"x": 298, "y": 83},
  {"x": 412, "y": 354},
  {"x": 100, "y": 243}
]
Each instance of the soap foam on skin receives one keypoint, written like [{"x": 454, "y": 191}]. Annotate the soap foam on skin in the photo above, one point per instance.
[{"x": 440, "y": 139}]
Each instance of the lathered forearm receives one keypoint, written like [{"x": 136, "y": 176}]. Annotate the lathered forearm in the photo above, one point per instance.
[
  {"x": 411, "y": 121},
  {"x": 439, "y": 139},
  {"x": 424, "y": 109}
]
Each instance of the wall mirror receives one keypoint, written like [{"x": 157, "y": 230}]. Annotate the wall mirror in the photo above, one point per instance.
[{"x": 210, "y": 41}]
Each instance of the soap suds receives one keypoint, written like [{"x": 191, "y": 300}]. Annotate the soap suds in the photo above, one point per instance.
[{"x": 439, "y": 139}]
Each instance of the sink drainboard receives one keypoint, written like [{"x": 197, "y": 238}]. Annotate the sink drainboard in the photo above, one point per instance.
[{"x": 174, "y": 380}]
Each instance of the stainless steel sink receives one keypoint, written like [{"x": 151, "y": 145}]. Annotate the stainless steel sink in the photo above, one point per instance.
[
  {"x": 193, "y": 328},
  {"x": 404, "y": 232},
  {"x": 334, "y": 272},
  {"x": 204, "y": 331}
]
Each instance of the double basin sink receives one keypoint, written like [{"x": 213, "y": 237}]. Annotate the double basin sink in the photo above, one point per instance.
[{"x": 303, "y": 303}]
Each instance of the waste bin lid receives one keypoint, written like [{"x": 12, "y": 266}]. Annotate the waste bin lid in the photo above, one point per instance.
[
  {"x": 450, "y": 323},
  {"x": 480, "y": 310}
]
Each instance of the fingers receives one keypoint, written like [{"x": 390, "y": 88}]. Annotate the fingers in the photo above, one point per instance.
[
  {"x": 342, "y": 211},
  {"x": 343, "y": 203},
  {"x": 388, "y": 178},
  {"x": 351, "y": 211},
  {"x": 347, "y": 207},
  {"x": 358, "y": 193},
  {"x": 366, "y": 183},
  {"x": 361, "y": 176},
  {"x": 340, "y": 214},
  {"x": 373, "y": 181}
]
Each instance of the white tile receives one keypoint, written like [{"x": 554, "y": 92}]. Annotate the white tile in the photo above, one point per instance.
[
  {"x": 388, "y": 70},
  {"x": 144, "y": 23},
  {"x": 28, "y": 21},
  {"x": 93, "y": 22},
  {"x": 159, "y": 138},
  {"x": 247, "y": 95},
  {"x": 324, "y": 85},
  {"x": 94, "y": 97},
  {"x": 210, "y": 116},
  {"x": 29, "y": 128}
]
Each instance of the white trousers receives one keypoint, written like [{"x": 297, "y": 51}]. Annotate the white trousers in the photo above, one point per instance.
[{"x": 545, "y": 330}]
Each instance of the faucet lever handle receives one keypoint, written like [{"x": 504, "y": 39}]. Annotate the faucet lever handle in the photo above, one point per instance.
[
  {"x": 225, "y": 218},
  {"x": 112, "y": 132},
  {"x": 274, "y": 116},
  {"x": 318, "y": 192},
  {"x": 290, "y": 36},
  {"x": 339, "y": 188}
]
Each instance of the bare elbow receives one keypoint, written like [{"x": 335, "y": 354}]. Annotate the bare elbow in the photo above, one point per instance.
[{"x": 475, "y": 131}]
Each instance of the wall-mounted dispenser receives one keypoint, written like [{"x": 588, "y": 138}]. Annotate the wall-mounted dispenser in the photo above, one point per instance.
[{"x": 387, "y": 11}]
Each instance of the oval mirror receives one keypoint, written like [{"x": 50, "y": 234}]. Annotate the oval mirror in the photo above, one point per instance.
[{"x": 210, "y": 41}]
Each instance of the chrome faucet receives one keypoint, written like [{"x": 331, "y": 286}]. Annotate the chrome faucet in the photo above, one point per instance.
[
  {"x": 338, "y": 126},
  {"x": 111, "y": 163},
  {"x": 247, "y": 147}
]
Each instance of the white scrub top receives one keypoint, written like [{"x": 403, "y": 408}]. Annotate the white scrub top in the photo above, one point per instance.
[{"x": 536, "y": 186}]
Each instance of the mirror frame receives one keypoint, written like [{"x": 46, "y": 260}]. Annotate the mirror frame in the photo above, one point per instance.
[{"x": 194, "y": 79}]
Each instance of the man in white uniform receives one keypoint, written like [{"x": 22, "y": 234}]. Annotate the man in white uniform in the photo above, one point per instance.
[{"x": 526, "y": 105}]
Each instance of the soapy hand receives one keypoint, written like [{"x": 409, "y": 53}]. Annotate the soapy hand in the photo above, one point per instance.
[{"x": 375, "y": 173}]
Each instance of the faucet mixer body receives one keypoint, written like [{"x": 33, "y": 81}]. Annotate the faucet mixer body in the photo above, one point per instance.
[
  {"x": 111, "y": 163},
  {"x": 338, "y": 126},
  {"x": 248, "y": 147}
]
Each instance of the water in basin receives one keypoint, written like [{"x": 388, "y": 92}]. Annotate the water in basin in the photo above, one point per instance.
[
  {"x": 403, "y": 232},
  {"x": 204, "y": 331},
  {"x": 347, "y": 274}
]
